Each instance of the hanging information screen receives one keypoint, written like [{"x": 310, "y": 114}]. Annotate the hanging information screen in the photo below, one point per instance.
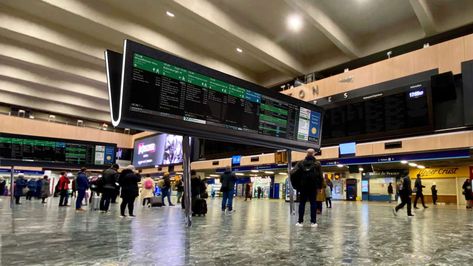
[{"x": 163, "y": 92}]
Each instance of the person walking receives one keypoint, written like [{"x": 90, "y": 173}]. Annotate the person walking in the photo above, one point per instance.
[
  {"x": 128, "y": 181},
  {"x": 45, "y": 189},
  {"x": 248, "y": 193},
  {"x": 180, "y": 189},
  {"x": 259, "y": 190},
  {"x": 434, "y": 193},
  {"x": 109, "y": 186},
  {"x": 82, "y": 184},
  {"x": 20, "y": 185},
  {"x": 328, "y": 197},
  {"x": 63, "y": 186},
  {"x": 31, "y": 189},
  {"x": 405, "y": 193},
  {"x": 307, "y": 179},
  {"x": 147, "y": 191},
  {"x": 166, "y": 190},
  {"x": 468, "y": 193},
  {"x": 418, "y": 185},
  {"x": 390, "y": 192},
  {"x": 227, "y": 179}
]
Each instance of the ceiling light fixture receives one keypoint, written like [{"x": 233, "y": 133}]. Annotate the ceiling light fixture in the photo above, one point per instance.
[
  {"x": 254, "y": 171},
  {"x": 269, "y": 172},
  {"x": 282, "y": 173},
  {"x": 413, "y": 164},
  {"x": 214, "y": 175},
  {"x": 239, "y": 174},
  {"x": 239, "y": 50},
  {"x": 169, "y": 13},
  {"x": 339, "y": 165},
  {"x": 421, "y": 167},
  {"x": 361, "y": 169},
  {"x": 294, "y": 22},
  {"x": 404, "y": 162}
]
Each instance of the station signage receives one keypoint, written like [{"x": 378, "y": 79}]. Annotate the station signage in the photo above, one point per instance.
[{"x": 441, "y": 172}]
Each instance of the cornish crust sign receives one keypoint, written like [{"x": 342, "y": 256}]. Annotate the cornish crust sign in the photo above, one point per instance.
[{"x": 441, "y": 172}]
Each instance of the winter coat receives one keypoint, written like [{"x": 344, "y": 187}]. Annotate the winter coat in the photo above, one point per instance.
[
  {"x": 419, "y": 186},
  {"x": 390, "y": 189},
  {"x": 45, "y": 188},
  {"x": 147, "y": 192},
  {"x": 167, "y": 182},
  {"x": 32, "y": 185},
  {"x": 328, "y": 192},
  {"x": 110, "y": 178},
  {"x": 20, "y": 184},
  {"x": 307, "y": 176},
  {"x": 197, "y": 187},
  {"x": 227, "y": 180},
  {"x": 180, "y": 186},
  {"x": 321, "y": 192},
  {"x": 467, "y": 190},
  {"x": 63, "y": 183},
  {"x": 82, "y": 182},
  {"x": 128, "y": 181},
  {"x": 406, "y": 189}
]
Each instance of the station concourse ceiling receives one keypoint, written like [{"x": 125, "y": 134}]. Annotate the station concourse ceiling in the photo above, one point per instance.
[{"x": 51, "y": 51}]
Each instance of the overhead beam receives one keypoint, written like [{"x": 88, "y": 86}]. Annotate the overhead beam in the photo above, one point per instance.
[
  {"x": 327, "y": 26},
  {"x": 424, "y": 15},
  {"x": 258, "y": 45}
]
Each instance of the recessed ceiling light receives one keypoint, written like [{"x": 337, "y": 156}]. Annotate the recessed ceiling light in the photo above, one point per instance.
[
  {"x": 214, "y": 175},
  {"x": 361, "y": 169},
  {"x": 239, "y": 50},
  {"x": 421, "y": 167},
  {"x": 282, "y": 173},
  {"x": 169, "y": 13},
  {"x": 404, "y": 162},
  {"x": 339, "y": 165},
  {"x": 239, "y": 174},
  {"x": 413, "y": 164},
  {"x": 294, "y": 22},
  {"x": 269, "y": 172},
  {"x": 254, "y": 171}
]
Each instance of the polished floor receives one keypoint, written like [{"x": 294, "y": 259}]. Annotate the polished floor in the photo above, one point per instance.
[{"x": 260, "y": 232}]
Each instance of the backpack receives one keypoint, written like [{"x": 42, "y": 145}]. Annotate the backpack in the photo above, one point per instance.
[
  {"x": 148, "y": 184},
  {"x": 300, "y": 172}
]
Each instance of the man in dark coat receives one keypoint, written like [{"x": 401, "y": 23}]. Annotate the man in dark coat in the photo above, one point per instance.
[
  {"x": 82, "y": 184},
  {"x": 227, "y": 179},
  {"x": 308, "y": 174},
  {"x": 419, "y": 195},
  {"x": 128, "y": 181},
  {"x": 109, "y": 186},
  {"x": 20, "y": 184},
  {"x": 405, "y": 193}
]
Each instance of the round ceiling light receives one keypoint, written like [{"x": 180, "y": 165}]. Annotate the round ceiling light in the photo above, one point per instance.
[{"x": 294, "y": 22}]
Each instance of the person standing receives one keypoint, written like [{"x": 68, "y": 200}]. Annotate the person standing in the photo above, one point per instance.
[
  {"x": 166, "y": 190},
  {"x": 259, "y": 190},
  {"x": 321, "y": 197},
  {"x": 180, "y": 189},
  {"x": 128, "y": 181},
  {"x": 405, "y": 193},
  {"x": 307, "y": 179},
  {"x": 248, "y": 193},
  {"x": 467, "y": 193},
  {"x": 45, "y": 189},
  {"x": 147, "y": 191},
  {"x": 31, "y": 189},
  {"x": 227, "y": 179},
  {"x": 418, "y": 185},
  {"x": 434, "y": 193},
  {"x": 390, "y": 192},
  {"x": 82, "y": 184},
  {"x": 63, "y": 186},
  {"x": 328, "y": 197},
  {"x": 109, "y": 186},
  {"x": 20, "y": 184}
]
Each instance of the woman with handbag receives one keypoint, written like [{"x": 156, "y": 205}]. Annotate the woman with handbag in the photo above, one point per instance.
[{"x": 320, "y": 198}]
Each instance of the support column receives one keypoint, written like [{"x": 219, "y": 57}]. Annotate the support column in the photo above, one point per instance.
[
  {"x": 12, "y": 198},
  {"x": 186, "y": 165},
  {"x": 292, "y": 208}
]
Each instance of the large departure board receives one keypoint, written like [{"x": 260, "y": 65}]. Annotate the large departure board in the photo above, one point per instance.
[
  {"x": 163, "y": 92},
  {"x": 55, "y": 151}
]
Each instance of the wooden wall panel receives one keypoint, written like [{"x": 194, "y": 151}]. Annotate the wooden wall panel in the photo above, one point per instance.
[
  {"x": 468, "y": 47},
  {"x": 451, "y": 54},
  {"x": 23, "y": 126},
  {"x": 263, "y": 159},
  {"x": 425, "y": 59}
]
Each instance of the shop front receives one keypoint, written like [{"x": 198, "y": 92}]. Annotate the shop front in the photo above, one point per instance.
[{"x": 377, "y": 183}]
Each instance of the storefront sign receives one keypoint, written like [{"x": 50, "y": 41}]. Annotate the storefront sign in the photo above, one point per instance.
[{"x": 441, "y": 172}]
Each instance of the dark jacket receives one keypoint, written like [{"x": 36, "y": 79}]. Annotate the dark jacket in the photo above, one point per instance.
[
  {"x": 32, "y": 185},
  {"x": 20, "y": 184},
  {"x": 63, "y": 183},
  {"x": 82, "y": 182},
  {"x": 419, "y": 186},
  {"x": 390, "y": 189},
  {"x": 167, "y": 182},
  {"x": 406, "y": 186},
  {"x": 180, "y": 186},
  {"x": 434, "y": 190},
  {"x": 129, "y": 183},
  {"x": 110, "y": 178},
  {"x": 227, "y": 180},
  {"x": 310, "y": 174},
  {"x": 197, "y": 186},
  {"x": 467, "y": 190}
]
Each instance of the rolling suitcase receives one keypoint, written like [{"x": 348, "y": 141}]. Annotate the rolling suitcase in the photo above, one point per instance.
[
  {"x": 155, "y": 202},
  {"x": 199, "y": 207},
  {"x": 95, "y": 204}
]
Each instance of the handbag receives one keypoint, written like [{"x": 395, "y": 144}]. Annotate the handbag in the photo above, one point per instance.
[{"x": 204, "y": 195}]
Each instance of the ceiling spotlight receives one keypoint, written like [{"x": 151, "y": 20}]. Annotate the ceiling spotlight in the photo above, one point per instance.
[
  {"x": 421, "y": 167},
  {"x": 413, "y": 164},
  {"x": 294, "y": 22},
  {"x": 214, "y": 175},
  {"x": 239, "y": 174},
  {"x": 239, "y": 50},
  {"x": 254, "y": 171},
  {"x": 269, "y": 172},
  {"x": 361, "y": 169},
  {"x": 404, "y": 162},
  {"x": 339, "y": 165},
  {"x": 169, "y": 13},
  {"x": 282, "y": 173}
]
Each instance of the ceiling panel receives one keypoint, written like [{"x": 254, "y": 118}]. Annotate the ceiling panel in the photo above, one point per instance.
[{"x": 449, "y": 14}]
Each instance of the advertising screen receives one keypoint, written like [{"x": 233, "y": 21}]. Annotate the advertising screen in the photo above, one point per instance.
[
  {"x": 165, "y": 92},
  {"x": 347, "y": 148},
  {"x": 157, "y": 150},
  {"x": 56, "y": 151}
]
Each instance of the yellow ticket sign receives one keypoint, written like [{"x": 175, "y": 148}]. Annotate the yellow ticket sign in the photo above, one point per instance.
[{"x": 441, "y": 172}]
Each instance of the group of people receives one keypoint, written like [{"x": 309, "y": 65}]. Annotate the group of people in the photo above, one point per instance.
[{"x": 38, "y": 188}]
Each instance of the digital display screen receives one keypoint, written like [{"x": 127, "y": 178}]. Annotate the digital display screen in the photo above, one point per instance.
[
  {"x": 365, "y": 186},
  {"x": 35, "y": 149},
  {"x": 162, "y": 149},
  {"x": 347, "y": 148},
  {"x": 166, "y": 88},
  {"x": 236, "y": 160}
]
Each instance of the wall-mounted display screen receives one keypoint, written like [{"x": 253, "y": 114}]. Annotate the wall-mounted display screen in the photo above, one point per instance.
[
  {"x": 59, "y": 151},
  {"x": 365, "y": 187},
  {"x": 157, "y": 150},
  {"x": 124, "y": 154},
  {"x": 236, "y": 160},
  {"x": 347, "y": 148},
  {"x": 164, "y": 92}
]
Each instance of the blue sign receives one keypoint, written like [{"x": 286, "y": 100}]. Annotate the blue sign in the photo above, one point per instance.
[
  {"x": 236, "y": 160},
  {"x": 314, "y": 126}
]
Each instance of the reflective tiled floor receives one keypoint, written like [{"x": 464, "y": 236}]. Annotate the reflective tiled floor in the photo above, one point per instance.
[{"x": 260, "y": 232}]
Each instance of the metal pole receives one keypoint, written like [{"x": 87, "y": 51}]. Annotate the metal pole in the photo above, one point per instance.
[
  {"x": 291, "y": 189},
  {"x": 12, "y": 170},
  {"x": 187, "y": 179}
]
